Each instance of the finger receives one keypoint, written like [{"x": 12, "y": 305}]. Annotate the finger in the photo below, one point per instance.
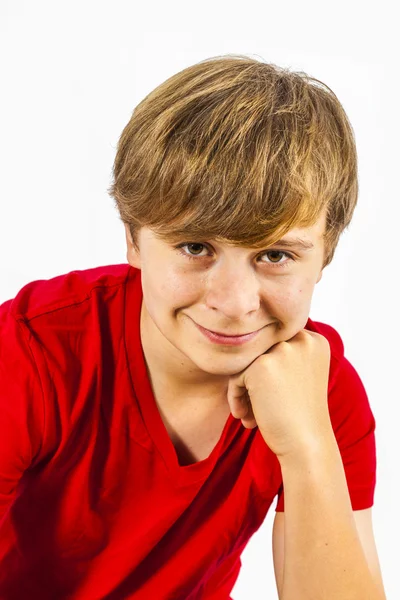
[
  {"x": 239, "y": 404},
  {"x": 249, "y": 421},
  {"x": 249, "y": 424},
  {"x": 237, "y": 398}
]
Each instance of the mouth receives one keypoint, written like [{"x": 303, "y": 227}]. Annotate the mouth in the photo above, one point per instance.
[
  {"x": 233, "y": 335},
  {"x": 228, "y": 340}
]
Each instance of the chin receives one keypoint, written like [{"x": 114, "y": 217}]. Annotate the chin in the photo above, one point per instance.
[{"x": 229, "y": 364}]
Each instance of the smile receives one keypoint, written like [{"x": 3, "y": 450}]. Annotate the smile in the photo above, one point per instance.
[{"x": 228, "y": 340}]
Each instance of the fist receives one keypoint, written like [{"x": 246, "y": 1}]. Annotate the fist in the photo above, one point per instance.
[{"x": 285, "y": 393}]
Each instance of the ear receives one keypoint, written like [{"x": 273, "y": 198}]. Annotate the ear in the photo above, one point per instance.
[
  {"x": 319, "y": 276},
  {"x": 132, "y": 255}
]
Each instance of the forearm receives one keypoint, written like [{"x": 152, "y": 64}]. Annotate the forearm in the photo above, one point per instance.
[{"x": 324, "y": 558}]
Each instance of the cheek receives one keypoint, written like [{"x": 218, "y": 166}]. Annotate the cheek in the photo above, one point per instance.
[
  {"x": 292, "y": 298},
  {"x": 175, "y": 289}
]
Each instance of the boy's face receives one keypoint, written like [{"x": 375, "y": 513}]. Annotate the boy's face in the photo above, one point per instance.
[{"x": 225, "y": 289}]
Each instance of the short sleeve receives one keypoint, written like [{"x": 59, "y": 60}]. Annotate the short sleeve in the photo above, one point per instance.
[
  {"x": 21, "y": 405},
  {"x": 353, "y": 424}
]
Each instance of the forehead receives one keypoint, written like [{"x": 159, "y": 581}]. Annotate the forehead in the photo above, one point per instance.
[{"x": 312, "y": 233}]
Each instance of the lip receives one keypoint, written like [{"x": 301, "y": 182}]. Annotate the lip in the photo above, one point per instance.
[{"x": 228, "y": 340}]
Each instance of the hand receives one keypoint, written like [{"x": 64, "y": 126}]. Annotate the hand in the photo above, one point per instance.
[{"x": 285, "y": 393}]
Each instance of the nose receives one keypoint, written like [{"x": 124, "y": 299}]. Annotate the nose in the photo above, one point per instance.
[{"x": 233, "y": 291}]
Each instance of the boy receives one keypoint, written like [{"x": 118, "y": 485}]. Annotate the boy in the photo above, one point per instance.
[{"x": 151, "y": 412}]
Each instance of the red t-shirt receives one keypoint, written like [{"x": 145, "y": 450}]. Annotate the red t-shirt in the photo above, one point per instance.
[{"x": 93, "y": 502}]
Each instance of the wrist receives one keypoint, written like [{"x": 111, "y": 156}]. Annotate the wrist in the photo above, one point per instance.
[{"x": 309, "y": 453}]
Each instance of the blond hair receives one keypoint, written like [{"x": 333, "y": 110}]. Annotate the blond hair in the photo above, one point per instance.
[{"x": 237, "y": 150}]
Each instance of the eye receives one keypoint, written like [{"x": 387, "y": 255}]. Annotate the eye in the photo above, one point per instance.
[{"x": 180, "y": 248}]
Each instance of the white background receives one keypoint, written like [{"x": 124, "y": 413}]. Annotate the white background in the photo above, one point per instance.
[{"x": 71, "y": 75}]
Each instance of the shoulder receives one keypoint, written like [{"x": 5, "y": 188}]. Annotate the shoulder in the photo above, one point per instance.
[
  {"x": 43, "y": 296},
  {"x": 336, "y": 347},
  {"x": 52, "y": 323},
  {"x": 346, "y": 389},
  {"x": 331, "y": 334}
]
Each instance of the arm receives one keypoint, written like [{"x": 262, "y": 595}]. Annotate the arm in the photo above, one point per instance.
[
  {"x": 324, "y": 557},
  {"x": 365, "y": 529}
]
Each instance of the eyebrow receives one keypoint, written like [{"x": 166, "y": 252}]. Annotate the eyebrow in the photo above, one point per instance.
[{"x": 295, "y": 243}]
